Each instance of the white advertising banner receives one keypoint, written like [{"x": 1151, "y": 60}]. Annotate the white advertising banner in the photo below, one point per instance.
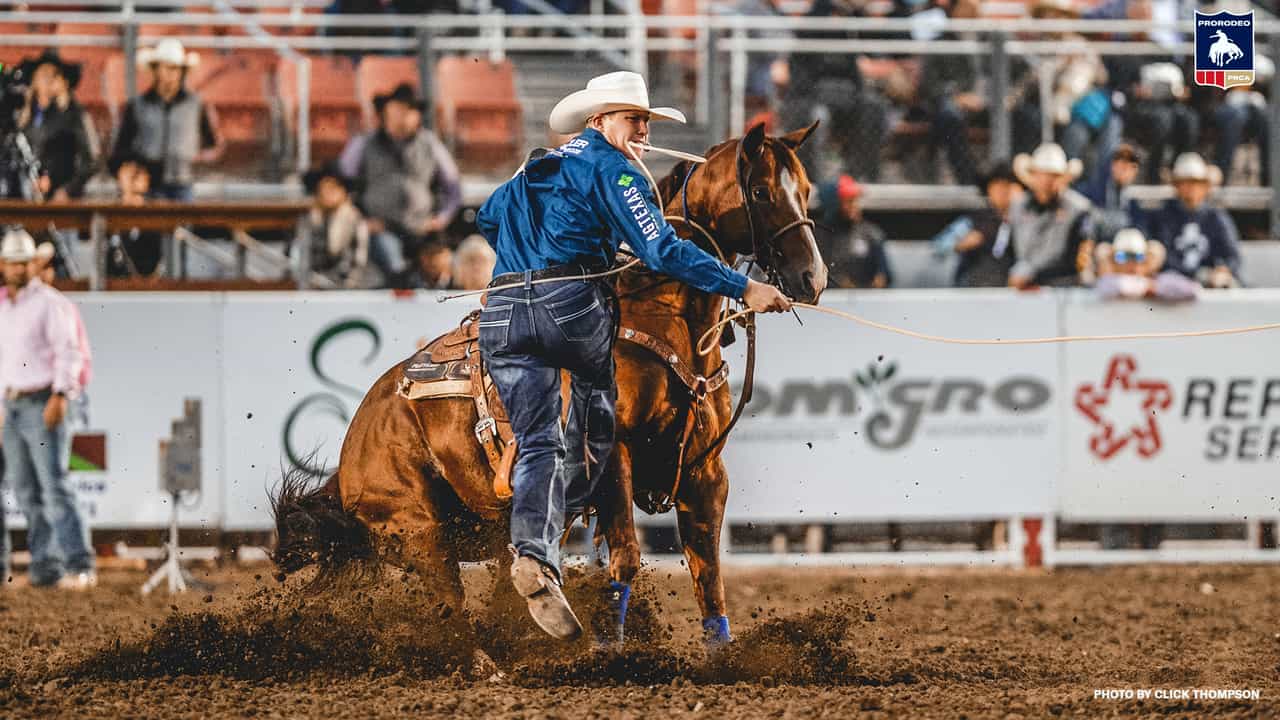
[
  {"x": 297, "y": 367},
  {"x": 1182, "y": 429},
  {"x": 848, "y": 423},
  {"x": 853, "y": 423},
  {"x": 149, "y": 353}
]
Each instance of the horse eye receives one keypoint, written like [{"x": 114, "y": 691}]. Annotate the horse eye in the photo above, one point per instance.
[{"x": 760, "y": 194}]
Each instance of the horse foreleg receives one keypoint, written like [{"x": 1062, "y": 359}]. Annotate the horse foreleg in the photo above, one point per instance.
[
  {"x": 618, "y": 530},
  {"x": 700, "y": 512}
]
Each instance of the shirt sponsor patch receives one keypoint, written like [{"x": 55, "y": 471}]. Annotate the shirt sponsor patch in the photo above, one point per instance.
[
  {"x": 640, "y": 211},
  {"x": 626, "y": 180}
]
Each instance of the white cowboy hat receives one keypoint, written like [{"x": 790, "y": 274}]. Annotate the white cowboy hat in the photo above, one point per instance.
[
  {"x": 17, "y": 246},
  {"x": 613, "y": 91},
  {"x": 45, "y": 252},
  {"x": 1130, "y": 240},
  {"x": 1049, "y": 158},
  {"x": 1189, "y": 166},
  {"x": 168, "y": 51}
]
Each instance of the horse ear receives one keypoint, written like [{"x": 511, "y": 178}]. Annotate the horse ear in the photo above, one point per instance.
[
  {"x": 796, "y": 138},
  {"x": 753, "y": 141}
]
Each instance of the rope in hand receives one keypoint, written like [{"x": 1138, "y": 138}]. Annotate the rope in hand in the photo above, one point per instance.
[{"x": 713, "y": 333}]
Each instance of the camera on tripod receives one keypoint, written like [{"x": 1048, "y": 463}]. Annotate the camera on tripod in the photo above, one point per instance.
[{"x": 20, "y": 170}]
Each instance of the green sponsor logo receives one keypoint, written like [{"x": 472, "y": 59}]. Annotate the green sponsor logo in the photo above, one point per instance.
[{"x": 626, "y": 180}]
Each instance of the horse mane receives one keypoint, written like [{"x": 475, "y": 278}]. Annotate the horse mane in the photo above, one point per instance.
[{"x": 669, "y": 185}]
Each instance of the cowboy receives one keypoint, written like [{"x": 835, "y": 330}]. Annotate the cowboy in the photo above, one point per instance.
[
  {"x": 333, "y": 237},
  {"x": 57, "y": 128},
  {"x": 1200, "y": 237},
  {"x": 40, "y": 363},
  {"x": 1052, "y": 225},
  {"x": 559, "y": 219},
  {"x": 411, "y": 185},
  {"x": 169, "y": 126}
]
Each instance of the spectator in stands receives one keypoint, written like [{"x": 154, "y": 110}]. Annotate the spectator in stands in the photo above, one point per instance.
[
  {"x": 854, "y": 248},
  {"x": 1129, "y": 268},
  {"x": 949, "y": 95},
  {"x": 168, "y": 126},
  {"x": 830, "y": 87},
  {"x": 133, "y": 252},
  {"x": 78, "y": 409},
  {"x": 57, "y": 128},
  {"x": 986, "y": 251},
  {"x": 473, "y": 264},
  {"x": 1241, "y": 115},
  {"x": 39, "y": 367},
  {"x": 1153, "y": 94},
  {"x": 432, "y": 271},
  {"x": 333, "y": 237},
  {"x": 411, "y": 188},
  {"x": 1110, "y": 194},
  {"x": 1201, "y": 238},
  {"x": 1052, "y": 224}
]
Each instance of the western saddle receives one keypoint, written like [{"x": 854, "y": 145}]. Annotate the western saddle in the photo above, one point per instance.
[{"x": 452, "y": 366}]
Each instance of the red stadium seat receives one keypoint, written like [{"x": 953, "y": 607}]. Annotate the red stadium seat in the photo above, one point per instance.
[
  {"x": 93, "y": 94},
  {"x": 379, "y": 74},
  {"x": 238, "y": 88},
  {"x": 477, "y": 110},
  {"x": 335, "y": 105},
  {"x": 98, "y": 54}
]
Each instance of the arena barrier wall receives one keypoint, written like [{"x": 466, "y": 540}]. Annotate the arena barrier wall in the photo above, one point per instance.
[{"x": 847, "y": 424}]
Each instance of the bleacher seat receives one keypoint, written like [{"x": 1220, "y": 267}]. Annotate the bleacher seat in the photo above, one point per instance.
[
  {"x": 94, "y": 95},
  {"x": 95, "y": 54},
  {"x": 239, "y": 89},
  {"x": 477, "y": 111},
  {"x": 380, "y": 74},
  {"x": 335, "y": 105}
]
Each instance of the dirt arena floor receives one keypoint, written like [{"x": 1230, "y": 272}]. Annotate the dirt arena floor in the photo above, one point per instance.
[{"x": 810, "y": 643}]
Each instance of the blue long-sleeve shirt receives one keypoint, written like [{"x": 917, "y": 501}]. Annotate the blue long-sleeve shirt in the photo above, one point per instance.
[
  {"x": 1202, "y": 238},
  {"x": 578, "y": 203}
]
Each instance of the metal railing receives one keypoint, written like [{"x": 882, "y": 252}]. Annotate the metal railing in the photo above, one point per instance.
[{"x": 723, "y": 44}]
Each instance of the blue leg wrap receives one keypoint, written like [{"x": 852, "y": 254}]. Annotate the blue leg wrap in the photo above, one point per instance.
[
  {"x": 715, "y": 631},
  {"x": 619, "y": 596}
]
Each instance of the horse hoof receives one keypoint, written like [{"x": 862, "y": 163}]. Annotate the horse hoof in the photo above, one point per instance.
[
  {"x": 715, "y": 632},
  {"x": 548, "y": 606},
  {"x": 618, "y": 598}
]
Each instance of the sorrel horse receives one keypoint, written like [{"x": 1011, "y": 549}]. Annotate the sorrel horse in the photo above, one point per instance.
[{"x": 413, "y": 485}]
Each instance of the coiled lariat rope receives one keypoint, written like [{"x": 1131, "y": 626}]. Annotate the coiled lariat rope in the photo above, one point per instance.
[{"x": 713, "y": 333}]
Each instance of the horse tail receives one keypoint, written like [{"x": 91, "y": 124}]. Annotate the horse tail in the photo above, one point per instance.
[{"x": 313, "y": 528}]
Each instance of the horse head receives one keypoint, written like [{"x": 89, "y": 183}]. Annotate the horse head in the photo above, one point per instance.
[{"x": 753, "y": 195}]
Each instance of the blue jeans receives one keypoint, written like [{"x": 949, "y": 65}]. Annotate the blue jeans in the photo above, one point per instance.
[
  {"x": 386, "y": 250},
  {"x": 36, "y": 460},
  {"x": 528, "y": 335}
]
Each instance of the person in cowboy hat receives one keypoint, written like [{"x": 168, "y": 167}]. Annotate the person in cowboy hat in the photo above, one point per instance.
[
  {"x": 169, "y": 125},
  {"x": 986, "y": 250},
  {"x": 412, "y": 189},
  {"x": 1201, "y": 238},
  {"x": 333, "y": 237},
  {"x": 40, "y": 365},
  {"x": 1051, "y": 225},
  {"x": 563, "y": 216},
  {"x": 57, "y": 128}
]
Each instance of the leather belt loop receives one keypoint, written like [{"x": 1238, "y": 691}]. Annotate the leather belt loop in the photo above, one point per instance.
[{"x": 528, "y": 280}]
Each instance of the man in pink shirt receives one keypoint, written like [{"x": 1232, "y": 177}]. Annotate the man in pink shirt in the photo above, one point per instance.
[
  {"x": 79, "y": 407},
  {"x": 39, "y": 368}
]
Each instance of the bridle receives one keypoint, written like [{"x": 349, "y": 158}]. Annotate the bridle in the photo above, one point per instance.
[{"x": 767, "y": 254}]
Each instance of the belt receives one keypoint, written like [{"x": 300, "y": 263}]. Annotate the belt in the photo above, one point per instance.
[
  {"x": 12, "y": 394},
  {"x": 555, "y": 271}
]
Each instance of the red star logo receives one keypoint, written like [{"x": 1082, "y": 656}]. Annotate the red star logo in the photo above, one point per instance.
[{"x": 1106, "y": 441}]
